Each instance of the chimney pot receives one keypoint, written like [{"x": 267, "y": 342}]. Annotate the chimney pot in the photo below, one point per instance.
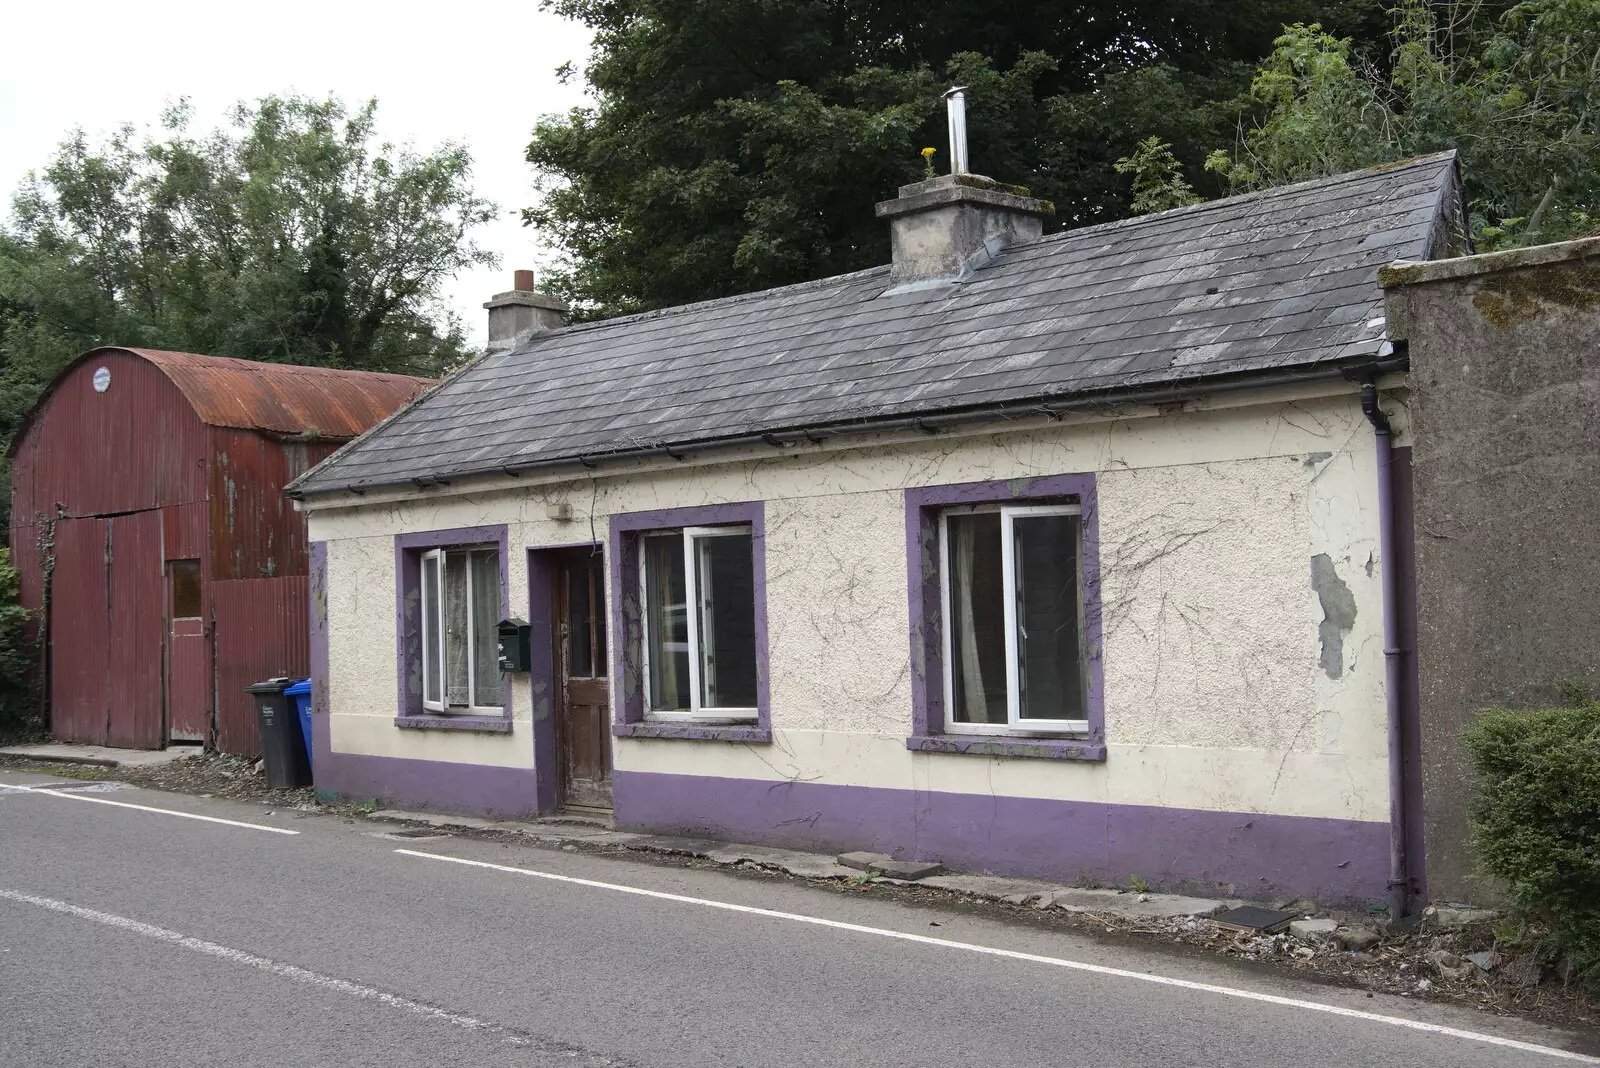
[{"x": 516, "y": 316}]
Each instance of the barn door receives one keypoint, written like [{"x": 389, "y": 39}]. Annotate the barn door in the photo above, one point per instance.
[
  {"x": 107, "y": 631},
  {"x": 138, "y": 618},
  {"x": 187, "y": 672},
  {"x": 80, "y": 631}
]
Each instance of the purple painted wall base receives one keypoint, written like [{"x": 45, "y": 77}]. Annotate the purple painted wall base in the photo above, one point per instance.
[
  {"x": 426, "y": 785},
  {"x": 1335, "y": 862}
]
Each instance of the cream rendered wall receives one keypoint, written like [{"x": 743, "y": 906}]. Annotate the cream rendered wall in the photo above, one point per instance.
[{"x": 1209, "y": 519}]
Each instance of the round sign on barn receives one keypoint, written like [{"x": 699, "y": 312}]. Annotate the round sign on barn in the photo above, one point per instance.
[{"x": 102, "y": 379}]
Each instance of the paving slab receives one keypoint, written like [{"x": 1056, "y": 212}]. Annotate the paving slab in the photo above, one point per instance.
[
  {"x": 101, "y": 756},
  {"x": 793, "y": 861},
  {"x": 997, "y": 887}
]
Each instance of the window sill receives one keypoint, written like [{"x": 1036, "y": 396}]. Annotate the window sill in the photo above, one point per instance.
[
  {"x": 995, "y": 745},
  {"x": 687, "y": 729},
  {"x": 482, "y": 724}
]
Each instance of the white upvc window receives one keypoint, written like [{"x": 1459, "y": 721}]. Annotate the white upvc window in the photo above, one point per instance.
[
  {"x": 698, "y": 593},
  {"x": 1011, "y": 581},
  {"x": 460, "y": 623}
]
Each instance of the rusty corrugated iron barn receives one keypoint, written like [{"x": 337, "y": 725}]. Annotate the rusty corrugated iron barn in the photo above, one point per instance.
[{"x": 154, "y": 541}]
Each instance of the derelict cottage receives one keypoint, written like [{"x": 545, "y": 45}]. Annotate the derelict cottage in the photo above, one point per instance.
[{"x": 1063, "y": 556}]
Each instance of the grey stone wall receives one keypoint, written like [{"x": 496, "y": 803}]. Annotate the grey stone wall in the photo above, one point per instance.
[{"x": 1505, "y": 377}]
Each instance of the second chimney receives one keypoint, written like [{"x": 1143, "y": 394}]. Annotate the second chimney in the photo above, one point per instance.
[{"x": 516, "y": 316}]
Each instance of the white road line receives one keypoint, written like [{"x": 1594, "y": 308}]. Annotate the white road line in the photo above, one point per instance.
[
  {"x": 146, "y": 808},
  {"x": 315, "y": 979},
  {"x": 1033, "y": 958}
]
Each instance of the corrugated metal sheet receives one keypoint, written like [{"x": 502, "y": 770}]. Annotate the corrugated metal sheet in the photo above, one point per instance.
[
  {"x": 188, "y": 680},
  {"x": 261, "y": 628},
  {"x": 255, "y": 530},
  {"x": 310, "y": 402},
  {"x": 133, "y": 446},
  {"x": 183, "y": 531},
  {"x": 135, "y": 698},
  {"x": 80, "y": 633}
]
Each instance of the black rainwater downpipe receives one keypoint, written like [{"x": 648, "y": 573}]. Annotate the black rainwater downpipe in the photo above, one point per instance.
[{"x": 1399, "y": 867}]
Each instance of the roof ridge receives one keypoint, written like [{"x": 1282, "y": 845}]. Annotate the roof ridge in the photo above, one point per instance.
[
  {"x": 1092, "y": 229},
  {"x": 1270, "y": 192}
]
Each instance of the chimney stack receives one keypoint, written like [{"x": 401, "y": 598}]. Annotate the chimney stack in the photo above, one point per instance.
[
  {"x": 945, "y": 228},
  {"x": 516, "y": 316}
]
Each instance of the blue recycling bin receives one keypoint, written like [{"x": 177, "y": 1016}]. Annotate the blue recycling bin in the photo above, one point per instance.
[{"x": 300, "y": 693}]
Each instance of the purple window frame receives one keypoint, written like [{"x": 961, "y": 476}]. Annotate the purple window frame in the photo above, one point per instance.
[
  {"x": 408, "y": 550},
  {"x": 930, "y": 732},
  {"x": 628, "y": 720}
]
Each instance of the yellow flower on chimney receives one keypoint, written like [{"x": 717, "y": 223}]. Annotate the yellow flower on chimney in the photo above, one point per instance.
[{"x": 927, "y": 162}]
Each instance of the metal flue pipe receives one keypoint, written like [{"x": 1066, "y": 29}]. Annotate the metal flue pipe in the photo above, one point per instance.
[{"x": 955, "y": 102}]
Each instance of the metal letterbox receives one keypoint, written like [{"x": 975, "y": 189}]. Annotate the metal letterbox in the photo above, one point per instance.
[{"x": 513, "y": 645}]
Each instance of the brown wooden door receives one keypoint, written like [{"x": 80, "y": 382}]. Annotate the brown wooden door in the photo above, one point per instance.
[
  {"x": 583, "y": 719},
  {"x": 188, "y": 667}
]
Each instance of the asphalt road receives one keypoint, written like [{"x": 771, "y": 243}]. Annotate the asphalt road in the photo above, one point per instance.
[{"x": 133, "y": 937}]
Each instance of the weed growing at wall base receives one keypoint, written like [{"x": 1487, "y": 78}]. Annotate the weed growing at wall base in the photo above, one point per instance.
[
  {"x": 19, "y": 697},
  {"x": 1536, "y": 818}
]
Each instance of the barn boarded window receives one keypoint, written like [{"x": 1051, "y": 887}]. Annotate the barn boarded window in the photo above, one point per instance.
[{"x": 185, "y": 588}]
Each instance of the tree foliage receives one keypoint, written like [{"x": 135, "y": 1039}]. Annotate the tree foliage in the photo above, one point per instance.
[
  {"x": 1158, "y": 181},
  {"x": 293, "y": 235},
  {"x": 737, "y": 146},
  {"x": 19, "y": 705},
  {"x": 1514, "y": 92},
  {"x": 1536, "y": 817}
]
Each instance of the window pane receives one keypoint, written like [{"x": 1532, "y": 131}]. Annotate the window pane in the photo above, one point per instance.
[
  {"x": 978, "y": 619},
  {"x": 431, "y": 624},
  {"x": 580, "y": 623},
  {"x": 1049, "y": 664},
  {"x": 666, "y": 622},
  {"x": 185, "y": 588},
  {"x": 455, "y": 630},
  {"x": 725, "y": 579},
  {"x": 485, "y": 628}
]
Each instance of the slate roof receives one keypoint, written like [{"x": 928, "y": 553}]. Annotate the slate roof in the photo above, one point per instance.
[{"x": 1284, "y": 278}]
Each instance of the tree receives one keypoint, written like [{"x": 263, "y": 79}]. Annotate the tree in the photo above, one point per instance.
[
  {"x": 737, "y": 146},
  {"x": 1514, "y": 94},
  {"x": 290, "y": 236},
  {"x": 1158, "y": 181}
]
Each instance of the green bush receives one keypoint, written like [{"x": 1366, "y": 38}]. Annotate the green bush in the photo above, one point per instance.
[
  {"x": 1536, "y": 817},
  {"x": 19, "y": 699}
]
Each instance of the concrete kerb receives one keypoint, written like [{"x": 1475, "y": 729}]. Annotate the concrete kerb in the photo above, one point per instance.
[
  {"x": 1035, "y": 892},
  {"x": 100, "y": 756}
]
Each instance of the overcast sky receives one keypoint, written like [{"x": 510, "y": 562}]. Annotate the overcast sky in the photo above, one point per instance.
[{"x": 466, "y": 71}]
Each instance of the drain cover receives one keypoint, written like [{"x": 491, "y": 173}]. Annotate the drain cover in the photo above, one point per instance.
[{"x": 414, "y": 834}]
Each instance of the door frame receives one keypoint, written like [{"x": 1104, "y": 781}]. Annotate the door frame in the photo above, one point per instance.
[
  {"x": 169, "y": 622},
  {"x": 544, "y": 675}
]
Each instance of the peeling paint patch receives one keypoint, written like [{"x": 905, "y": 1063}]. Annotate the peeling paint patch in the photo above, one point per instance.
[
  {"x": 1314, "y": 458},
  {"x": 1338, "y": 613}
]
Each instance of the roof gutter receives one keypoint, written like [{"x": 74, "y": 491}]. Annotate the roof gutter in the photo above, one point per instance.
[{"x": 932, "y": 423}]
